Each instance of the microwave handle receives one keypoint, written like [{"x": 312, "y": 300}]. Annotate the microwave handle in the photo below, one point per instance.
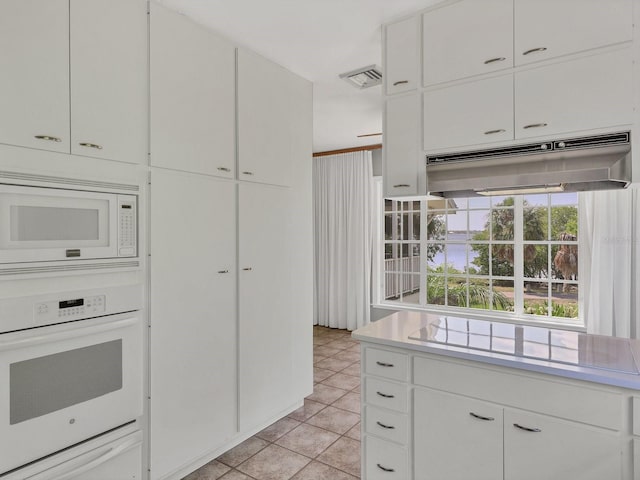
[{"x": 55, "y": 474}]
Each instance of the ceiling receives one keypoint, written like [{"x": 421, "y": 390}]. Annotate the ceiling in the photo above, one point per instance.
[{"x": 318, "y": 40}]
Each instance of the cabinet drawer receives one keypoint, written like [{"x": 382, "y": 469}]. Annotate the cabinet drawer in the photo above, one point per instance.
[
  {"x": 385, "y": 460},
  {"x": 564, "y": 400},
  {"x": 386, "y": 364},
  {"x": 388, "y": 425},
  {"x": 386, "y": 394}
]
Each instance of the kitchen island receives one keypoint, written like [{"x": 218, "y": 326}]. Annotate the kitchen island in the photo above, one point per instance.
[{"x": 451, "y": 398}]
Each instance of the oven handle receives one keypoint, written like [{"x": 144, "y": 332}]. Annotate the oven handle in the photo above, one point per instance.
[
  {"x": 54, "y": 474},
  {"x": 76, "y": 332}
]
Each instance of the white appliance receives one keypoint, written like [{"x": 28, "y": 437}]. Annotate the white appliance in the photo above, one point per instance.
[
  {"x": 55, "y": 224},
  {"x": 71, "y": 367}
]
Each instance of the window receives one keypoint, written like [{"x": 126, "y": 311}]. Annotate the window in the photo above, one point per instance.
[{"x": 517, "y": 255}]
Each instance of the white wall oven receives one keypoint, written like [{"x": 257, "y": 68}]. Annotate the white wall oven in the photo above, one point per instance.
[{"x": 71, "y": 370}]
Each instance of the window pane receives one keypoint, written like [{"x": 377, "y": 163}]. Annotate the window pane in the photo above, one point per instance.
[
  {"x": 565, "y": 261},
  {"x": 564, "y": 223},
  {"x": 479, "y": 259},
  {"x": 536, "y": 261},
  {"x": 564, "y": 300},
  {"x": 503, "y": 295},
  {"x": 535, "y": 223},
  {"x": 536, "y": 296},
  {"x": 502, "y": 260},
  {"x": 479, "y": 202},
  {"x": 416, "y": 205},
  {"x": 479, "y": 224},
  {"x": 536, "y": 200},
  {"x": 480, "y": 293},
  {"x": 456, "y": 257},
  {"x": 436, "y": 261},
  {"x": 388, "y": 250},
  {"x": 502, "y": 224},
  {"x": 457, "y": 292},
  {"x": 436, "y": 225},
  {"x": 388, "y": 205},
  {"x": 415, "y": 221}
]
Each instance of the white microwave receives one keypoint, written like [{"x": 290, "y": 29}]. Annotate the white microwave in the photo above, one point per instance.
[{"x": 41, "y": 224}]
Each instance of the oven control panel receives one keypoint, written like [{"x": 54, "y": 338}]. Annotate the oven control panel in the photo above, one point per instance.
[{"x": 71, "y": 309}]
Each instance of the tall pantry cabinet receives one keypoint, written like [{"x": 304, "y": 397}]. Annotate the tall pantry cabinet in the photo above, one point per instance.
[{"x": 231, "y": 249}]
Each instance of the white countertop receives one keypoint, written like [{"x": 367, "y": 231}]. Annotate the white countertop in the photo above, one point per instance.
[{"x": 593, "y": 358}]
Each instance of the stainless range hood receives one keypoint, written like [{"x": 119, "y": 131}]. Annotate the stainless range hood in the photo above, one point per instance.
[{"x": 600, "y": 162}]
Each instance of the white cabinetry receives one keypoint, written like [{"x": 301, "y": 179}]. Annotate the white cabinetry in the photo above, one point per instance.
[
  {"x": 401, "y": 54},
  {"x": 466, "y": 38},
  {"x": 550, "y": 28},
  {"x": 75, "y": 77},
  {"x": 192, "y": 96},
  {"x": 468, "y": 114},
  {"x": 402, "y": 166},
  {"x": 580, "y": 94},
  {"x": 109, "y": 80},
  {"x": 265, "y": 317},
  {"x": 193, "y": 318},
  {"x": 34, "y": 84},
  {"x": 265, "y": 120}
]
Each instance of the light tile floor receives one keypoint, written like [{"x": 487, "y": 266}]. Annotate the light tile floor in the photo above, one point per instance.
[{"x": 320, "y": 440}]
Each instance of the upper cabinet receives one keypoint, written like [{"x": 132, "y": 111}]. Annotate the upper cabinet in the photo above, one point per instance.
[
  {"x": 551, "y": 28},
  {"x": 75, "y": 77},
  {"x": 34, "y": 84},
  {"x": 401, "y": 56},
  {"x": 192, "y": 96},
  {"x": 467, "y": 38},
  {"x": 401, "y": 152},
  {"x": 266, "y": 119},
  {"x": 109, "y": 80}
]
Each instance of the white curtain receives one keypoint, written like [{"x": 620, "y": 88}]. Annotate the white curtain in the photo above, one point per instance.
[
  {"x": 610, "y": 251},
  {"x": 343, "y": 239}
]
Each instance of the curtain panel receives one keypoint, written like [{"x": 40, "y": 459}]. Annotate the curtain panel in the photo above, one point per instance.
[
  {"x": 343, "y": 239},
  {"x": 610, "y": 242}
]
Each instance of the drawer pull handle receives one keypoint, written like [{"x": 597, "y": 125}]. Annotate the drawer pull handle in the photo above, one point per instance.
[
  {"x": 385, "y": 395},
  {"x": 247, "y": 269},
  {"x": 90, "y": 145},
  {"x": 383, "y": 364},
  {"x": 223, "y": 271},
  {"x": 48, "y": 137},
  {"x": 402, "y": 185},
  {"x": 527, "y": 429},
  {"x": 385, "y": 469},
  {"x": 481, "y": 417},
  {"x": 497, "y": 130},
  {"x": 388, "y": 427},
  {"x": 535, "y": 125},
  {"x": 534, "y": 50},
  {"x": 224, "y": 169},
  {"x": 247, "y": 173},
  {"x": 400, "y": 82},
  {"x": 494, "y": 60}
]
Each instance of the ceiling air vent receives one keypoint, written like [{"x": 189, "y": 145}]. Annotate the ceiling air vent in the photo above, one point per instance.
[{"x": 364, "y": 77}]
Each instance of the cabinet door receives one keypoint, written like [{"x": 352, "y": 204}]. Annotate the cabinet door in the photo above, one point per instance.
[
  {"x": 467, "y": 38},
  {"x": 265, "y": 107},
  {"x": 590, "y": 92},
  {"x": 192, "y": 96},
  {"x": 109, "y": 81},
  {"x": 193, "y": 318},
  {"x": 536, "y": 447},
  {"x": 401, "y": 146},
  {"x": 266, "y": 354},
  {"x": 401, "y": 56},
  {"x": 34, "y": 84},
  {"x": 549, "y": 28},
  {"x": 458, "y": 438},
  {"x": 469, "y": 114}
]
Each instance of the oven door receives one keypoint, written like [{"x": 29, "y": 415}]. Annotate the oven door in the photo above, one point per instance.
[
  {"x": 46, "y": 224},
  {"x": 67, "y": 383}
]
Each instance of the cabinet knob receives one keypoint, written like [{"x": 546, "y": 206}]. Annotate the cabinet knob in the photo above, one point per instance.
[
  {"x": 224, "y": 169},
  {"x": 400, "y": 82},
  {"x": 535, "y": 125},
  {"x": 387, "y": 427},
  {"x": 534, "y": 50},
  {"x": 494, "y": 60},
  {"x": 402, "y": 185},
  {"x": 481, "y": 417},
  {"x": 497, "y": 130},
  {"x": 527, "y": 429},
  {"x": 48, "y": 137},
  {"x": 90, "y": 145},
  {"x": 384, "y": 469}
]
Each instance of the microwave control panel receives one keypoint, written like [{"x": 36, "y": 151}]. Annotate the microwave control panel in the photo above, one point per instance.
[
  {"x": 127, "y": 226},
  {"x": 71, "y": 309}
]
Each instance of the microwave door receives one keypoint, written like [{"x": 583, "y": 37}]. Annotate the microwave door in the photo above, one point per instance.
[{"x": 41, "y": 224}]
